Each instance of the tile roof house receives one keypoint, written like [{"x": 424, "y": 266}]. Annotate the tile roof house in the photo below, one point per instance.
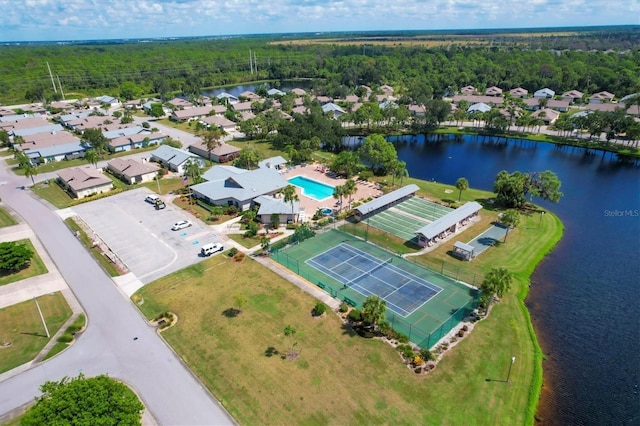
[
  {"x": 246, "y": 115},
  {"x": 132, "y": 171},
  {"x": 547, "y": 115},
  {"x": 544, "y": 93},
  {"x": 572, "y": 96},
  {"x": 519, "y": 92},
  {"x": 475, "y": 99},
  {"x": 468, "y": 90},
  {"x": 601, "y": 97},
  {"x": 300, "y": 92},
  {"x": 387, "y": 89},
  {"x": 179, "y": 103},
  {"x": 220, "y": 154},
  {"x": 493, "y": 91},
  {"x": 533, "y": 104},
  {"x": 175, "y": 159},
  {"x": 228, "y": 185},
  {"x": 417, "y": 110},
  {"x": 247, "y": 94},
  {"x": 61, "y": 105},
  {"x": 243, "y": 106},
  {"x": 219, "y": 122},
  {"x": 84, "y": 181},
  {"x": 182, "y": 115}
]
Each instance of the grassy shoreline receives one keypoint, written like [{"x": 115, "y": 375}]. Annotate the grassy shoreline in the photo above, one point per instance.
[{"x": 230, "y": 356}]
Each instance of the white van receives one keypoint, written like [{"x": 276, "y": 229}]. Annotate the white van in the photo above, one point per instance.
[{"x": 209, "y": 249}]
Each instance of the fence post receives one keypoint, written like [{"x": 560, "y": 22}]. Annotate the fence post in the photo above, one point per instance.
[{"x": 442, "y": 269}]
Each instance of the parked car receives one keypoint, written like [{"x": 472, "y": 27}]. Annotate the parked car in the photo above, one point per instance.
[
  {"x": 152, "y": 199},
  {"x": 209, "y": 249},
  {"x": 160, "y": 205},
  {"x": 181, "y": 225}
]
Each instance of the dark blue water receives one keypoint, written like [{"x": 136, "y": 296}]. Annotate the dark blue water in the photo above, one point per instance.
[{"x": 585, "y": 296}]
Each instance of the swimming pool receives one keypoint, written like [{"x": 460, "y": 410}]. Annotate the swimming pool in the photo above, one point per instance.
[{"x": 312, "y": 188}]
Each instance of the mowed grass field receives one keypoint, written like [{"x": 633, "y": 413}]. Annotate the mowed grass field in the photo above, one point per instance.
[
  {"x": 35, "y": 268},
  {"x": 339, "y": 378},
  {"x": 20, "y": 324}
]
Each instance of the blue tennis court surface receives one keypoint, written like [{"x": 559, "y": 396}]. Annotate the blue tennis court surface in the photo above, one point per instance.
[{"x": 402, "y": 291}]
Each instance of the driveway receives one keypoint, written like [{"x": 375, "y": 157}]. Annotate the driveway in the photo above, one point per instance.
[{"x": 141, "y": 236}]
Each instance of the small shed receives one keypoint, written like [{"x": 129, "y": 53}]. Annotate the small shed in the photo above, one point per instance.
[{"x": 462, "y": 250}]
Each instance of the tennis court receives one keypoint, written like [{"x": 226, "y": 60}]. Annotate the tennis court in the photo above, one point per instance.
[
  {"x": 403, "y": 291},
  {"x": 405, "y": 218},
  {"x": 422, "y": 303}
]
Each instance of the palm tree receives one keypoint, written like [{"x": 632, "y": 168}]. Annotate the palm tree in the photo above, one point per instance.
[
  {"x": 399, "y": 171},
  {"x": 510, "y": 219},
  {"x": 338, "y": 193},
  {"x": 374, "y": 310},
  {"x": 91, "y": 157},
  {"x": 289, "y": 331},
  {"x": 290, "y": 196},
  {"x": 30, "y": 171},
  {"x": 462, "y": 184},
  {"x": 349, "y": 188},
  {"x": 192, "y": 170},
  {"x": 497, "y": 281}
]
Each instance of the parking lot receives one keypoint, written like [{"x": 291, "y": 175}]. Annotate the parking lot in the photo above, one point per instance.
[{"x": 141, "y": 235}]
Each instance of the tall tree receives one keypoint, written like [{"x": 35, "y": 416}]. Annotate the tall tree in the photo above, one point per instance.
[
  {"x": 346, "y": 163},
  {"x": 350, "y": 188},
  {"x": 30, "y": 171},
  {"x": 96, "y": 400},
  {"x": 496, "y": 282},
  {"x": 374, "y": 310},
  {"x": 290, "y": 196},
  {"x": 462, "y": 184},
  {"x": 379, "y": 153},
  {"x": 511, "y": 219},
  {"x": 91, "y": 156},
  {"x": 212, "y": 139},
  {"x": 338, "y": 193}
]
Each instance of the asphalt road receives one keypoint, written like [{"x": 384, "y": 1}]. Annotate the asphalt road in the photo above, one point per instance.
[{"x": 147, "y": 364}]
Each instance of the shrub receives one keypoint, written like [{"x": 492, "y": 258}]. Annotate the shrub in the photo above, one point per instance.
[
  {"x": 417, "y": 360},
  {"x": 233, "y": 251},
  {"x": 403, "y": 338},
  {"x": 355, "y": 315},
  {"x": 231, "y": 210},
  {"x": 365, "y": 175},
  {"x": 465, "y": 327},
  {"x": 249, "y": 234},
  {"x": 461, "y": 333},
  {"x": 145, "y": 125},
  {"x": 406, "y": 351},
  {"x": 427, "y": 355},
  {"x": 344, "y": 307},
  {"x": 319, "y": 309},
  {"x": 65, "y": 338}
]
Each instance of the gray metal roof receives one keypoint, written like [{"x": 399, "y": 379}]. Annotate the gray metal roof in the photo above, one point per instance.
[
  {"x": 272, "y": 162},
  {"x": 387, "y": 199},
  {"x": 241, "y": 186},
  {"x": 127, "y": 131},
  {"x": 56, "y": 150},
  {"x": 35, "y": 130},
  {"x": 173, "y": 156},
  {"x": 271, "y": 205},
  {"x": 68, "y": 117},
  {"x": 464, "y": 246},
  {"x": 440, "y": 225}
]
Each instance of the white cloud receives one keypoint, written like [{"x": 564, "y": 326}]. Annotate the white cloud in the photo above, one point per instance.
[{"x": 41, "y": 19}]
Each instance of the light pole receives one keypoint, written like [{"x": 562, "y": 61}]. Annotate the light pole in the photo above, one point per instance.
[
  {"x": 540, "y": 221},
  {"x": 513, "y": 359}
]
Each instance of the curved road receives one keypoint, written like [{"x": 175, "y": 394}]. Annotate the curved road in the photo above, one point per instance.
[{"x": 148, "y": 365}]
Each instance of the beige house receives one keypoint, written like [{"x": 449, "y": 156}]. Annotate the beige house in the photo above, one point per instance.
[
  {"x": 84, "y": 181},
  {"x": 493, "y": 91},
  {"x": 132, "y": 171}
]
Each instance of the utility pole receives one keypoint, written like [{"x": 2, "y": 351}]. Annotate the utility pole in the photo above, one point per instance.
[
  {"x": 60, "y": 86},
  {"x": 52, "y": 82},
  {"x": 41, "y": 317},
  {"x": 250, "y": 61},
  {"x": 255, "y": 62}
]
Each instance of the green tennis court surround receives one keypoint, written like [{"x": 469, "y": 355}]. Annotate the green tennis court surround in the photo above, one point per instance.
[{"x": 439, "y": 309}]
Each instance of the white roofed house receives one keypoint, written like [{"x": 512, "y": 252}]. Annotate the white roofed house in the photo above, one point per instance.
[
  {"x": 275, "y": 92},
  {"x": 232, "y": 186},
  {"x": 332, "y": 110},
  {"x": 227, "y": 98},
  {"x": 133, "y": 171},
  {"x": 139, "y": 140},
  {"x": 175, "y": 159},
  {"x": 544, "y": 93},
  {"x": 83, "y": 182},
  {"x": 269, "y": 206},
  {"x": 108, "y": 100}
]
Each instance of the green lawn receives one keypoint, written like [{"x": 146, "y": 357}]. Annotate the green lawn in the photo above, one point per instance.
[
  {"x": 6, "y": 219},
  {"x": 35, "y": 268},
  {"x": 263, "y": 147},
  {"x": 76, "y": 326},
  {"x": 21, "y": 325},
  {"x": 53, "y": 193},
  {"x": 341, "y": 378}
]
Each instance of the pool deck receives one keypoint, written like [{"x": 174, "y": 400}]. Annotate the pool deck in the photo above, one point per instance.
[{"x": 314, "y": 171}]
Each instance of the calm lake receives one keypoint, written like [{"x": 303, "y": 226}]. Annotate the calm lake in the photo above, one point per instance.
[{"x": 585, "y": 296}]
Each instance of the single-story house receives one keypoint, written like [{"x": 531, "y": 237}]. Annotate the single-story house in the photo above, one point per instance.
[
  {"x": 387, "y": 89},
  {"x": 249, "y": 95},
  {"x": 275, "y": 92},
  {"x": 12, "y": 118},
  {"x": 519, "y": 92},
  {"x": 572, "y": 96},
  {"x": 601, "y": 97},
  {"x": 191, "y": 113},
  {"x": 132, "y": 104},
  {"x": 301, "y": 92},
  {"x": 468, "y": 90},
  {"x": 35, "y": 109},
  {"x": 140, "y": 140},
  {"x": 220, "y": 154},
  {"x": 48, "y": 154},
  {"x": 274, "y": 205},
  {"x": 332, "y": 110},
  {"x": 47, "y": 128},
  {"x": 493, "y": 91},
  {"x": 133, "y": 171},
  {"x": 479, "y": 107},
  {"x": 84, "y": 181},
  {"x": 247, "y": 115},
  {"x": 175, "y": 159},
  {"x": 243, "y": 106},
  {"x": 232, "y": 186},
  {"x": 89, "y": 122},
  {"x": 127, "y": 131},
  {"x": 109, "y": 100},
  {"x": 476, "y": 99},
  {"x": 544, "y": 93},
  {"x": 533, "y": 104},
  {"x": 299, "y": 110},
  {"x": 227, "y": 98},
  {"x": 66, "y": 118},
  {"x": 417, "y": 110},
  {"x": 179, "y": 103},
  {"x": 61, "y": 105},
  {"x": 219, "y": 122},
  {"x": 323, "y": 99},
  {"x": 547, "y": 115},
  {"x": 447, "y": 224},
  {"x": 28, "y": 123}
]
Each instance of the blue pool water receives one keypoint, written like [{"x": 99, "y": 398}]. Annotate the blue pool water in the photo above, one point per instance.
[{"x": 311, "y": 188}]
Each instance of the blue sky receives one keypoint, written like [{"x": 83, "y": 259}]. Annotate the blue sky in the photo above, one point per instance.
[{"x": 35, "y": 20}]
